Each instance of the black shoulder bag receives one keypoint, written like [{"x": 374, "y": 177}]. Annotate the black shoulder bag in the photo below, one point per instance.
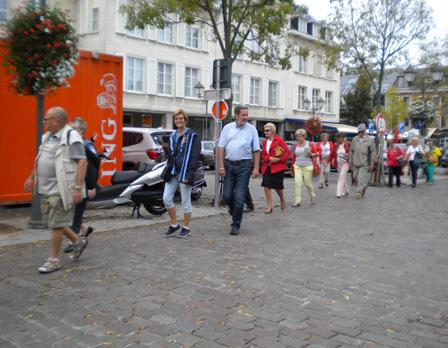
[{"x": 166, "y": 173}]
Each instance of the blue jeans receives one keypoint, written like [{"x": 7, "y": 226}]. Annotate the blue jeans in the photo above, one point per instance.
[
  {"x": 170, "y": 190},
  {"x": 236, "y": 185}
]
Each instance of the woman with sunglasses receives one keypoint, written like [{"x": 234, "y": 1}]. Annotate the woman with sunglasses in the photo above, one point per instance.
[{"x": 274, "y": 155}]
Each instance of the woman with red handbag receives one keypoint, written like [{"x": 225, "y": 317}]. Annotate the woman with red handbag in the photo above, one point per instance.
[
  {"x": 302, "y": 160},
  {"x": 274, "y": 155}
]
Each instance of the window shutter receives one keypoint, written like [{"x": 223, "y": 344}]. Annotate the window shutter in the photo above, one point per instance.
[
  {"x": 264, "y": 92},
  {"x": 120, "y": 20},
  {"x": 295, "y": 63},
  {"x": 206, "y": 79},
  {"x": 295, "y": 97},
  {"x": 180, "y": 83},
  {"x": 246, "y": 89},
  {"x": 122, "y": 55},
  {"x": 152, "y": 76},
  {"x": 83, "y": 17},
  {"x": 181, "y": 32},
  {"x": 205, "y": 42},
  {"x": 152, "y": 33},
  {"x": 282, "y": 92}
]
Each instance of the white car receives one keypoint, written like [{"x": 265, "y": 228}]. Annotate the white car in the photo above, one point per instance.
[{"x": 143, "y": 145}]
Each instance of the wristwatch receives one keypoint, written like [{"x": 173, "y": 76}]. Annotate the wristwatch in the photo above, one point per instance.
[{"x": 77, "y": 187}]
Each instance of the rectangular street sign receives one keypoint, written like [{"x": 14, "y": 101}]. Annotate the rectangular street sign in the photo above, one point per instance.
[{"x": 217, "y": 94}]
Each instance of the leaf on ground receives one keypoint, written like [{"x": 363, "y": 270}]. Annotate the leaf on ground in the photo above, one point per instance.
[
  {"x": 29, "y": 316},
  {"x": 390, "y": 330}
]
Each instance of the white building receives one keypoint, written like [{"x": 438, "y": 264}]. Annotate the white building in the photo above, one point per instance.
[{"x": 161, "y": 66}]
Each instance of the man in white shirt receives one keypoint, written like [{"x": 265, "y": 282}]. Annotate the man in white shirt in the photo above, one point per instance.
[{"x": 239, "y": 156}]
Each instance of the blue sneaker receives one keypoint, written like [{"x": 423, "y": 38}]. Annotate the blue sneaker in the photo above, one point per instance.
[
  {"x": 185, "y": 232},
  {"x": 172, "y": 231}
]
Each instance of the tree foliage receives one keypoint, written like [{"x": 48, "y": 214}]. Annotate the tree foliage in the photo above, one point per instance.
[
  {"x": 397, "y": 109},
  {"x": 252, "y": 27},
  {"x": 374, "y": 34},
  {"x": 358, "y": 102}
]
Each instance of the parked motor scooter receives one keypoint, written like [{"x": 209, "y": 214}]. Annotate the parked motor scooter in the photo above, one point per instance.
[
  {"x": 108, "y": 196},
  {"x": 147, "y": 190}
]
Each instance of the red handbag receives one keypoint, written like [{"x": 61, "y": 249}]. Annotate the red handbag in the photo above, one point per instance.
[{"x": 316, "y": 168}]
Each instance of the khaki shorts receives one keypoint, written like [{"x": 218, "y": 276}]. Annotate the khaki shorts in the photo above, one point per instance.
[{"x": 53, "y": 212}]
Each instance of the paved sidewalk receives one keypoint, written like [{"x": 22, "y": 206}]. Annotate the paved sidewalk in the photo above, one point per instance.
[{"x": 343, "y": 273}]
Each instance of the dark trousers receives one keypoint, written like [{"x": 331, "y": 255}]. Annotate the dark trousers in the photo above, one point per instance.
[
  {"x": 394, "y": 170},
  {"x": 414, "y": 170},
  {"x": 79, "y": 212},
  {"x": 249, "y": 202},
  {"x": 236, "y": 184}
]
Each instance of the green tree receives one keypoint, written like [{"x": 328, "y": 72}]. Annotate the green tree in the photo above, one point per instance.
[
  {"x": 397, "y": 109},
  {"x": 376, "y": 34},
  {"x": 257, "y": 28},
  {"x": 358, "y": 102}
]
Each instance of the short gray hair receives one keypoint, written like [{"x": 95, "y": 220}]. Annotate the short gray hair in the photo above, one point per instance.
[
  {"x": 271, "y": 127},
  {"x": 58, "y": 113},
  {"x": 79, "y": 122},
  {"x": 324, "y": 135}
]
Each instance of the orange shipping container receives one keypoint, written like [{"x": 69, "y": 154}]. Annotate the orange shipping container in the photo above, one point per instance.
[{"x": 95, "y": 93}]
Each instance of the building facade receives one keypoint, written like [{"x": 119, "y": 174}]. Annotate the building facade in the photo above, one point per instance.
[{"x": 162, "y": 66}]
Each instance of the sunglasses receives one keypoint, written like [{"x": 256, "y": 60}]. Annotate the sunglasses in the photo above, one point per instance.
[{"x": 266, "y": 130}]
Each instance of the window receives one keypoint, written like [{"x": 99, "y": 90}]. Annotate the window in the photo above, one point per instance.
[
  {"x": 94, "y": 20},
  {"x": 400, "y": 81},
  {"x": 273, "y": 93},
  {"x": 329, "y": 102},
  {"x": 164, "y": 78},
  {"x": 302, "y": 96},
  {"x": 236, "y": 85},
  {"x": 303, "y": 64},
  {"x": 329, "y": 73},
  {"x": 316, "y": 96},
  {"x": 192, "y": 37},
  {"x": 317, "y": 65},
  {"x": 407, "y": 100},
  {"x": 138, "y": 32},
  {"x": 302, "y": 25},
  {"x": 134, "y": 74},
  {"x": 191, "y": 78},
  {"x": 254, "y": 91},
  {"x": 131, "y": 138},
  {"x": 166, "y": 34}
]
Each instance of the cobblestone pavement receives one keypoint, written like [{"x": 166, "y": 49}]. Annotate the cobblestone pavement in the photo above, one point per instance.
[{"x": 343, "y": 273}]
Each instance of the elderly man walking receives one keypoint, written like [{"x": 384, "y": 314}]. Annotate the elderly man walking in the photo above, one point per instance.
[
  {"x": 58, "y": 175},
  {"x": 361, "y": 158},
  {"x": 239, "y": 156}
]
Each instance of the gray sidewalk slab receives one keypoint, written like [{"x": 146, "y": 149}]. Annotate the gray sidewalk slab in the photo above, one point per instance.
[{"x": 343, "y": 273}]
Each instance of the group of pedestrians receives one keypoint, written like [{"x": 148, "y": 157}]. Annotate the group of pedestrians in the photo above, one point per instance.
[
  {"x": 66, "y": 170},
  {"x": 415, "y": 157}
]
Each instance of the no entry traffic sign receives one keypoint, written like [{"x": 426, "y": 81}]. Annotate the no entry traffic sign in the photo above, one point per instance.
[
  {"x": 222, "y": 107},
  {"x": 380, "y": 124}
]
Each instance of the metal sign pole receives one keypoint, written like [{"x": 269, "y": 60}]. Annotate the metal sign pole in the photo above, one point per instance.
[{"x": 217, "y": 135}]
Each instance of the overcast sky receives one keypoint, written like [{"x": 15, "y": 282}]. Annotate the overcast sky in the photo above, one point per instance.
[{"x": 320, "y": 9}]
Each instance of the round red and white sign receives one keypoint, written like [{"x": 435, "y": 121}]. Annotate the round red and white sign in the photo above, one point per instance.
[{"x": 380, "y": 123}]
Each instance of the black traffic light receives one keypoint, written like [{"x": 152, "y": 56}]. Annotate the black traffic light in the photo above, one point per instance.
[{"x": 225, "y": 79}]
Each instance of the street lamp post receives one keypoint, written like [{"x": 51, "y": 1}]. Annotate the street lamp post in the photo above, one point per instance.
[{"x": 199, "y": 89}]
